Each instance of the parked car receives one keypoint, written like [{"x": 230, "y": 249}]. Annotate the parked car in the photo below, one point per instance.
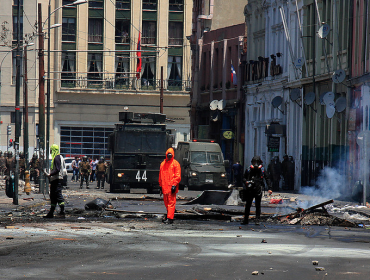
[{"x": 68, "y": 161}]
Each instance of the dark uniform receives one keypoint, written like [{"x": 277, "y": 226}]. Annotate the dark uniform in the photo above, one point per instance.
[
  {"x": 85, "y": 171},
  {"x": 238, "y": 174},
  {"x": 56, "y": 178},
  {"x": 274, "y": 173},
  {"x": 290, "y": 173},
  {"x": 34, "y": 169},
  {"x": 2, "y": 164},
  {"x": 10, "y": 164},
  {"x": 100, "y": 175},
  {"x": 253, "y": 187},
  {"x": 284, "y": 171},
  {"x": 22, "y": 165}
]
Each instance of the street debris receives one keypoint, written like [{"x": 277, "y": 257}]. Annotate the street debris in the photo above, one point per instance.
[
  {"x": 319, "y": 268},
  {"x": 315, "y": 262},
  {"x": 255, "y": 272},
  {"x": 209, "y": 197},
  {"x": 315, "y": 215},
  {"x": 98, "y": 204},
  {"x": 276, "y": 201}
]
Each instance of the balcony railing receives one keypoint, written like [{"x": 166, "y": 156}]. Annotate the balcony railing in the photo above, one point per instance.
[{"x": 126, "y": 84}]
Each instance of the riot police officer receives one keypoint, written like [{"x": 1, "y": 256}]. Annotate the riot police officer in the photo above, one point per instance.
[
  {"x": 253, "y": 186},
  {"x": 10, "y": 163},
  {"x": 34, "y": 169},
  {"x": 100, "y": 176},
  {"x": 2, "y": 163},
  {"x": 22, "y": 165},
  {"x": 85, "y": 171}
]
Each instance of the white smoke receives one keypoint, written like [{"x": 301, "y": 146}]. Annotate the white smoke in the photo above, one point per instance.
[{"x": 331, "y": 184}]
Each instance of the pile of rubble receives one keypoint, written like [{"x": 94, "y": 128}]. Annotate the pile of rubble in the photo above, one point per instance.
[{"x": 315, "y": 215}]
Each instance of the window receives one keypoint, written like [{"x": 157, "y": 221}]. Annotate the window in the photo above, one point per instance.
[
  {"x": 69, "y": 29},
  {"x": 174, "y": 72},
  {"x": 150, "y": 5},
  {"x": 123, "y": 4},
  {"x": 147, "y": 74},
  {"x": 16, "y": 2},
  {"x": 96, "y": 4},
  {"x": 175, "y": 33},
  {"x": 122, "y": 66},
  {"x": 95, "y": 30},
  {"x": 176, "y": 5},
  {"x": 15, "y": 29},
  {"x": 149, "y": 35},
  {"x": 68, "y": 69},
  {"x": 68, "y": 2},
  {"x": 122, "y": 31},
  {"x": 94, "y": 69},
  {"x": 89, "y": 141}
]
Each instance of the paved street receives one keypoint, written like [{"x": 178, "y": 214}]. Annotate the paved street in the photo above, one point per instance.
[
  {"x": 107, "y": 246},
  {"x": 147, "y": 249}
]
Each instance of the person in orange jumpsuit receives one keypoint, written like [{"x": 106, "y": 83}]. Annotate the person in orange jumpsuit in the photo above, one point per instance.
[{"x": 169, "y": 179}]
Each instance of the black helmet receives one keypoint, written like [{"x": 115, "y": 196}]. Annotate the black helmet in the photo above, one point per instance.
[
  {"x": 257, "y": 160},
  {"x": 10, "y": 154},
  {"x": 102, "y": 158}
]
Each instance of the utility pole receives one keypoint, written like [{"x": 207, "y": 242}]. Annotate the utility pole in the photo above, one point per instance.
[
  {"x": 41, "y": 99},
  {"x": 17, "y": 105},
  {"x": 25, "y": 112}
]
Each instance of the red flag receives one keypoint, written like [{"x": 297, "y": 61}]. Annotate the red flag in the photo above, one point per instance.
[{"x": 139, "y": 62}]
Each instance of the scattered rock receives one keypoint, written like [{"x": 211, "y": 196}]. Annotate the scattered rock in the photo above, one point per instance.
[{"x": 255, "y": 272}]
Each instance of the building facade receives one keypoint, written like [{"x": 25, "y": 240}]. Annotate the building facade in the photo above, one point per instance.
[
  {"x": 94, "y": 71},
  {"x": 295, "y": 48},
  {"x": 216, "y": 98}
]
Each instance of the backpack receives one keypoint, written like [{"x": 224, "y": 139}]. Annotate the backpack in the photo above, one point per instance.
[{"x": 64, "y": 171}]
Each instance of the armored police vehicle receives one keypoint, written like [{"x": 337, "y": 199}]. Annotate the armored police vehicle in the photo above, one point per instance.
[
  {"x": 202, "y": 165},
  {"x": 138, "y": 145}
]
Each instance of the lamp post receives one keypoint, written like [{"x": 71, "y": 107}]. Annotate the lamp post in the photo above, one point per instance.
[
  {"x": 75, "y": 3},
  {"x": 25, "y": 104}
]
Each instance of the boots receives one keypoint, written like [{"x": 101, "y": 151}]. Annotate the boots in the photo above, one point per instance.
[
  {"x": 62, "y": 213},
  {"x": 50, "y": 215},
  {"x": 244, "y": 222},
  {"x": 164, "y": 218},
  {"x": 168, "y": 221}
]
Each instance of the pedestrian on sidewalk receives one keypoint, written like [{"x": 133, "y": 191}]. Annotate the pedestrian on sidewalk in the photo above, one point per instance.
[
  {"x": 254, "y": 185},
  {"x": 56, "y": 178},
  {"x": 169, "y": 179}
]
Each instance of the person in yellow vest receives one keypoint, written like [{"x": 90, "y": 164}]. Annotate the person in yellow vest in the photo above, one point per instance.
[
  {"x": 85, "y": 171},
  {"x": 56, "y": 178}
]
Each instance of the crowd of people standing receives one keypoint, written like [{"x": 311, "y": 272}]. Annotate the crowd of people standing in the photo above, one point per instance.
[{"x": 89, "y": 170}]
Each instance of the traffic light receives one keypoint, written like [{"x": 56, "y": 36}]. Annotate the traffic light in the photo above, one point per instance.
[
  {"x": 10, "y": 143},
  {"x": 9, "y": 130}
]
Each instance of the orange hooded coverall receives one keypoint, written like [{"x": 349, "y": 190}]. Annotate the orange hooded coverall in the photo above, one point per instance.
[{"x": 169, "y": 175}]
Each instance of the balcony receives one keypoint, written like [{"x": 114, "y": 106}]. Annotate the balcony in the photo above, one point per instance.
[{"x": 126, "y": 83}]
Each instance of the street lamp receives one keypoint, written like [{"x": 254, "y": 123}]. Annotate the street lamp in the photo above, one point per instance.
[{"x": 75, "y": 3}]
